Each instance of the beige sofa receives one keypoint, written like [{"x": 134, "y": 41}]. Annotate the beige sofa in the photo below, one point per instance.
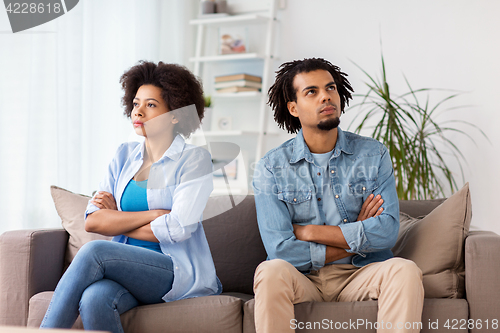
[{"x": 466, "y": 287}]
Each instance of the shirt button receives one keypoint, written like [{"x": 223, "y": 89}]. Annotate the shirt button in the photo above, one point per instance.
[
  {"x": 294, "y": 199},
  {"x": 337, "y": 196},
  {"x": 345, "y": 220},
  {"x": 319, "y": 173},
  {"x": 319, "y": 199},
  {"x": 364, "y": 188},
  {"x": 333, "y": 171},
  {"x": 176, "y": 267}
]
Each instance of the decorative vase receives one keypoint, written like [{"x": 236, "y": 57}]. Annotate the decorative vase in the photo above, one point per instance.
[
  {"x": 220, "y": 6},
  {"x": 207, "y": 7}
]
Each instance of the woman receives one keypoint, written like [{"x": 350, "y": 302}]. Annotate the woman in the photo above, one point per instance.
[{"x": 152, "y": 201}]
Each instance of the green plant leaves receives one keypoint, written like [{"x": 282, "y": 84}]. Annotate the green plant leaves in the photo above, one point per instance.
[{"x": 416, "y": 142}]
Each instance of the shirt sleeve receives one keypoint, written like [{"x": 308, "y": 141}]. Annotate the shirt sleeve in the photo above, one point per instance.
[
  {"x": 108, "y": 183},
  {"x": 190, "y": 197},
  {"x": 380, "y": 232},
  {"x": 275, "y": 225}
]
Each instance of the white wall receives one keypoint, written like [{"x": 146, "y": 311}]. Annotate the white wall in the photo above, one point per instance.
[
  {"x": 444, "y": 44},
  {"x": 61, "y": 97},
  {"x": 450, "y": 44}
]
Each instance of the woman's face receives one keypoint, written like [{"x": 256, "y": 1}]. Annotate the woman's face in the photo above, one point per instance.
[{"x": 150, "y": 114}]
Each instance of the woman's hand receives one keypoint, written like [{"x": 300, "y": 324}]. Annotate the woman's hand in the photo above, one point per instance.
[
  {"x": 161, "y": 212},
  {"x": 104, "y": 200},
  {"x": 371, "y": 207}
]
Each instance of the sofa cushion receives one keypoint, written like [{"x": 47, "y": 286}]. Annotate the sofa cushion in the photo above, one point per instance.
[
  {"x": 202, "y": 314},
  {"x": 416, "y": 208},
  {"x": 38, "y": 305},
  {"x": 436, "y": 244},
  {"x": 71, "y": 209},
  {"x": 436, "y": 311},
  {"x": 234, "y": 239}
]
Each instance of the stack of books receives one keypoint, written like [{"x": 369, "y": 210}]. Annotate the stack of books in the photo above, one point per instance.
[{"x": 237, "y": 83}]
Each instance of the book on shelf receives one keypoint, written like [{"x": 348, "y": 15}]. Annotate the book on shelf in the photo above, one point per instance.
[
  {"x": 235, "y": 77},
  {"x": 236, "y": 89},
  {"x": 237, "y": 83}
]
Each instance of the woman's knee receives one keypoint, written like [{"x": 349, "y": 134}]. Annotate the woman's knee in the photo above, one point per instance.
[
  {"x": 93, "y": 247},
  {"x": 94, "y": 298},
  {"x": 101, "y": 296},
  {"x": 89, "y": 251}
]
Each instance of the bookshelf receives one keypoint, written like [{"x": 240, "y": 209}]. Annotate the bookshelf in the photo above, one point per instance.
[
  {"x": 226, "y": 57},
  {"x": 247, "y": 110}
]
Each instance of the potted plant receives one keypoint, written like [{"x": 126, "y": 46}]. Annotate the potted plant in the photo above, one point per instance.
[{"x": 417, "y": 143}]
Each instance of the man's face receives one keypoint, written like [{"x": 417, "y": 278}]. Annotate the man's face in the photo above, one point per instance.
[{"x": 318, "y": 100}]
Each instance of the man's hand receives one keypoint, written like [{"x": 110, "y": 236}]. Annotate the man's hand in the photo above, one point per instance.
[
  {"x": 371, "y": 207},
  {"x": 332, "y": 235},
  {"x": 104, "y": 200},
  {"x": 300, "y": 232}
]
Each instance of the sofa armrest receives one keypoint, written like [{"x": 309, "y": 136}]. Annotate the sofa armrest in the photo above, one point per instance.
[
  {"x": 482, "y": 266},
  {"x": 31, "y": 261}
]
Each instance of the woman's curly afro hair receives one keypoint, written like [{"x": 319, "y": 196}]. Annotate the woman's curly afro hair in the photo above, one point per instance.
[
  {"x": 179, "y": 87},
  {"x": 283, "y": 91}
]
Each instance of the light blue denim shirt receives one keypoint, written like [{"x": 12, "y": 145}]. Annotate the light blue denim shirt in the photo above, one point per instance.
[
  {"x": 320, "y": 172},
  {"x": 181, "y": 181},
  {"x": 285, "y": 194}
]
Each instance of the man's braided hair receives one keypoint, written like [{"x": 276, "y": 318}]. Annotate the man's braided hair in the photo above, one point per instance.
[{"x": 283, "y": 91}]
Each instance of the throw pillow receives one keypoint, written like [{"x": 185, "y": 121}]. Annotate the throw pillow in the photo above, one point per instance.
[
  {"x": 71, "y": 209},
  {"x": 435, "y": 243}
]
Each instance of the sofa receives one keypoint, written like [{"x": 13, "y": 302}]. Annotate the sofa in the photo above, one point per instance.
[{"x": 463, "y": 296}]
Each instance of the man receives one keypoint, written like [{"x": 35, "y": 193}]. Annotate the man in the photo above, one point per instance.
[{"x": 327, "y": 209}]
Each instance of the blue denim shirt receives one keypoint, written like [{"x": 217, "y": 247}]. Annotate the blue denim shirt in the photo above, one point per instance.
[
  {"x": 180, "y": 181},
  {"x": 285, "y": 194}
]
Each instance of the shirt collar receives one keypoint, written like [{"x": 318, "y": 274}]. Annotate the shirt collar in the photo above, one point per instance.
[
  {"x": 176, "y": 148},
  {"x": 342, "y": 143},
  {"x": 301, "y": 151},
  {"x": 173, "y": 152}
]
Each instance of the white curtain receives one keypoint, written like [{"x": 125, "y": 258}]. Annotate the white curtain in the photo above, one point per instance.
[{"x": 61, "y": 118}]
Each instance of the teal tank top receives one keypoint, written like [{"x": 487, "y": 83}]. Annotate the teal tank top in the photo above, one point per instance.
[{"x": 135, "y": 199}]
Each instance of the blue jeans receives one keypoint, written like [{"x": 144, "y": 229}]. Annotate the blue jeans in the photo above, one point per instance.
[{"x": 105, "y": 280}]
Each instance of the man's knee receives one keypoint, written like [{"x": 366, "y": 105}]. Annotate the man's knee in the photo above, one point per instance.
[
  {"x": 272, "y": 268},
  {"x": 273, "y": 271},
  {"x": 405, "y": 266},
  {"x": 405, "y": 272}
]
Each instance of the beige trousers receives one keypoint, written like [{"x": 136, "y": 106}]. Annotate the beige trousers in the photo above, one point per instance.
[{"x": 396, "y": 284}]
